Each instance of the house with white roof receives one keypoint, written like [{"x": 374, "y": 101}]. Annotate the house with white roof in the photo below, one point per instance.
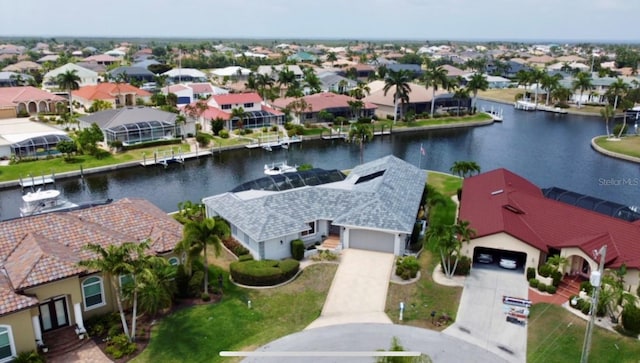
[
  {"x": 87, "y": 76},
  {"x": 185, "y": 75},
  {"x": 374, "y": 208},
  {"x": 232, "y": 72}
]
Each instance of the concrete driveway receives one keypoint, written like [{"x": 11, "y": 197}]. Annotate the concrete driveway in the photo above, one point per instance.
[
  {"x": 481, "y": 319},
  {"x": 358, "y": 292}
]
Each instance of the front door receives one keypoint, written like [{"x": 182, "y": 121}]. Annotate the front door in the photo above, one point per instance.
[{"x": 54, "y": 314}]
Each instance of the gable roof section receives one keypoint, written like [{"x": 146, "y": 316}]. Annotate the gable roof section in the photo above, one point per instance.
[
  {"x": 11, "y": 302},
  {"x": 15, "y": 95},
  {"x": 389, "y": 202},
  {"x": 323, "y": 101},
  {"x": 236, "y": 98},
  {"x": 105, "y": 91},
  {"x": 82, "y": 72},
  {"x": 500, "y": 201}
]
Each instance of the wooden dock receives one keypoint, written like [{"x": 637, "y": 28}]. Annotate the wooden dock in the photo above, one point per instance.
[
  {"x": 284, "y": 143},
  {"x": 37, "y": 181},
  {"x": 172, "y": 158}
]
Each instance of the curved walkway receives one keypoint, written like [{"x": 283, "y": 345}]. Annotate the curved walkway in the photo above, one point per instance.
[
  {"x": 612, "y": 154},
  {"x": 370, "y": 338}
]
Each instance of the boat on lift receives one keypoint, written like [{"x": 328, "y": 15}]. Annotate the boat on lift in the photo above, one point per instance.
[{"x": 281, "y": 168}]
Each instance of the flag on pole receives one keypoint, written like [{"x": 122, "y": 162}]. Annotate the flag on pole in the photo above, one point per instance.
[{"x": 422, "y": 150}]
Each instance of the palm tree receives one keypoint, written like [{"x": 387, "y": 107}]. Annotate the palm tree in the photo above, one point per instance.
[
  {"x": 400, "y": 81},
  {"x": 617, "y": 89},
  {"x": 477, "y": 82},
  {"x": 197, "y": 235},
  {"x": 434, "y": 77},
  {"x": 561, "y": 94},
  {"x": 442, "y": 237},
  {"x": 69, "y": 81},
  {"x": 461, "y": 93},
  {"x": 264, "y": 83},
  {"x": 583, "y": 83},
  {"x": 464, "y": 169},
  {"x": 312, "y": 81},
  {"x": 607, "y": 113},
  {"x": 238, "y": 113},
  {"x": 299, "y": 106},
  {"x": 113, "y": 261},
  {"x": 355, "y": 106},
  {"x": 286, "y": 77},
  {"x": 360, "y": 133},
  {"x": 523, "y": 78},
  {"x": 331, "y": 57},
  {"x": 156, "y": 285},
  {"x": 549, "y": 83},
  {"x": 537, "y": 75},
  {"x": 361, "y": 91}
]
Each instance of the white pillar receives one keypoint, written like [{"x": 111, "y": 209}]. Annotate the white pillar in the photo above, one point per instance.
[
  {"x": 35, "y": 321},
  {"x": 77, "y": 311}
]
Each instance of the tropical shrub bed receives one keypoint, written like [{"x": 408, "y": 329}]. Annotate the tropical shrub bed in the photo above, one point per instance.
[
  {"x": 464, "y": 266},
  {"x": 263, "y": 273},
  {"x": 407, "y": 267}
]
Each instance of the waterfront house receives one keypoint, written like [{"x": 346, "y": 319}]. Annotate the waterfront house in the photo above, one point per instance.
[
  {"x": 374, "y": 208},
  {"x": 336, "y": 104},
  {"x": 185, "y": 75},
  {"x": 132, "y": 125},
  {"x": 512, "y": 217},
  {"x": 27, "y": 100},
  {"x": 42, "y": 289}
]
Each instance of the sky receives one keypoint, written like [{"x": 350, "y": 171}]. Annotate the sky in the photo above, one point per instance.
[{"x": 575, "y": 20}]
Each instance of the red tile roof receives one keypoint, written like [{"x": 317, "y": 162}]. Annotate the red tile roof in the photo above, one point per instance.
[
  {"x": 501, "y": 201},
  {"x": 15, "y": 95},
  {"x": 106, "y": 91},
  {"x": 47, "y": 247},
  {"x": 237, "y": 98},
  {"x": 101, "y": 58},
  {"x": 199, "y": 88},
  {"x": 323, "y": 101}
]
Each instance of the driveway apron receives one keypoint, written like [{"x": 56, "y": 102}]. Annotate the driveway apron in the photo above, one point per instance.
[
  {"x": 358, "y": 292},
  {"x": 481, "y": 318}
]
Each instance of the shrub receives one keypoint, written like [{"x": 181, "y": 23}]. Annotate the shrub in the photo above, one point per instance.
[
  {"x": 99, "y": 325},
  {"x": 586, "y": 307},
  {"x": 119, "y": 346},
  {"x": 274, "y": 128},
  {"x": 531, "y": 273},
  {"x": 263, "y": 273},
  {"x": 195, "y": 283},
  {"x": 245, "y": 257},
  {"x": 551, "y": 289},
  {"x": 557, "y": 277},
  {"x": 205, "y": 296},
  {"x": 545, "y": 270},
  {"x": 29, "y": 357},
  {"x": 542, "y": 287},
  {"x": 182, "y": 281},
  {"x": 578, "y": 301},
  {"x": 631, "y": 318},
  {"x": 407, "y": 267},
  {"x": 297, "y": 249},
  {"x": 586, "y": 287},
  {"x": 533, "y": 282},
  {"x": 464, "y": 266},
  {"x": 618, "y": 127},
  {"x": 143, "y": 145},
  {"x": 223, "y": 134},
  {"x": 202, "y": 139}
]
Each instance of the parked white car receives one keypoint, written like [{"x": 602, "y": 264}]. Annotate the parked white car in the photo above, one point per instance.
[
  {"x": 508, "y": 263},
  {"x": 484, "y": 258}
]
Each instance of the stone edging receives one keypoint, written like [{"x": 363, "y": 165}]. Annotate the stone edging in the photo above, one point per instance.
[{"x": 612, "y": 154}]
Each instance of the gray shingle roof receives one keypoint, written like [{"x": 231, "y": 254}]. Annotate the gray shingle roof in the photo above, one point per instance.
[{"x": 389, "y": 202}]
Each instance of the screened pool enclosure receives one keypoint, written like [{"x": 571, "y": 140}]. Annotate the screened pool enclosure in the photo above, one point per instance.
[
  {"x": 138, "y": 132},
  {"x": 38, "y": 145}
]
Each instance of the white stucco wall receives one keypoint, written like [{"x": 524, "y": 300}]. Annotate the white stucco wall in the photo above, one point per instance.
[{"x": 503, "y": 241}]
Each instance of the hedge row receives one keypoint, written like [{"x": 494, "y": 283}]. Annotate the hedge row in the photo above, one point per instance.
[
  {"x": 152, "y": 143},
  {"x": 263, "y": 273}
]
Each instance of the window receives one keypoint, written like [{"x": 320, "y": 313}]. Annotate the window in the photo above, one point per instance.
[
  {"x": 248, "y": 105},
  {"x": 7, "y": 349},
  {"x": 93, "y": 293},
  {"x": 225, "y": 107},
  {"x": 125, "y": 280},
  {"x": 312, "y": 231},
  {"x": 174, "y": 261}
]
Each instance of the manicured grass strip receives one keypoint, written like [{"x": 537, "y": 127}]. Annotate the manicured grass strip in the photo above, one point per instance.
[
  {"x": 556, "y": 335},
  {"x": 629, "y": 145},
  {"x": 200, "y": 333},
  {"x": 447, "y": 184}
]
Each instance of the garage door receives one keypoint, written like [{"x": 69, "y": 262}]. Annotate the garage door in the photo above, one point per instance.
[
  {"x": 371, "y": 240},
  {"x": 505, "y": 259}
]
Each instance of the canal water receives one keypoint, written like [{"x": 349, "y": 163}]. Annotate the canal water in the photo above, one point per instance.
[{"x": 550, "y": 150}]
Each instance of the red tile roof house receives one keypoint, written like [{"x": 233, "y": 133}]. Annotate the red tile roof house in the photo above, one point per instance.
[
  {"x": 334, "y": 103},
  {"x": 257, "y": 115},
  {"x": 29, "y": 100},
  {"x": 511, "y": 215},
  {"x": 42, "y": 288},
  {"x": 118, "y": 94}
]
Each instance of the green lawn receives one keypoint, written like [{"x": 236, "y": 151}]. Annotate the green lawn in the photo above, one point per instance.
[
  {"x": 629, "y": 145},
  {"x": 445, "y": 184},
  {"x": 432, "y": 122},
  {"x": 556, "y": 335},
  {"x": 198, "y": 334}
]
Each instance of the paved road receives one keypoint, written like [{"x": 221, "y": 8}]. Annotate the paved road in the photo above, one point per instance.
[
  {"x": 358, "y": 293},
  {"x": 372, "y": 337},
  {"x": 481, "y": 319}
]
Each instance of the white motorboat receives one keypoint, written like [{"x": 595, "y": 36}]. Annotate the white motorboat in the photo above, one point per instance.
[
  {"x": 281, "y": 168},
  {"x": 495, "y": 114},
  {"x": 44, "y": 201}
]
